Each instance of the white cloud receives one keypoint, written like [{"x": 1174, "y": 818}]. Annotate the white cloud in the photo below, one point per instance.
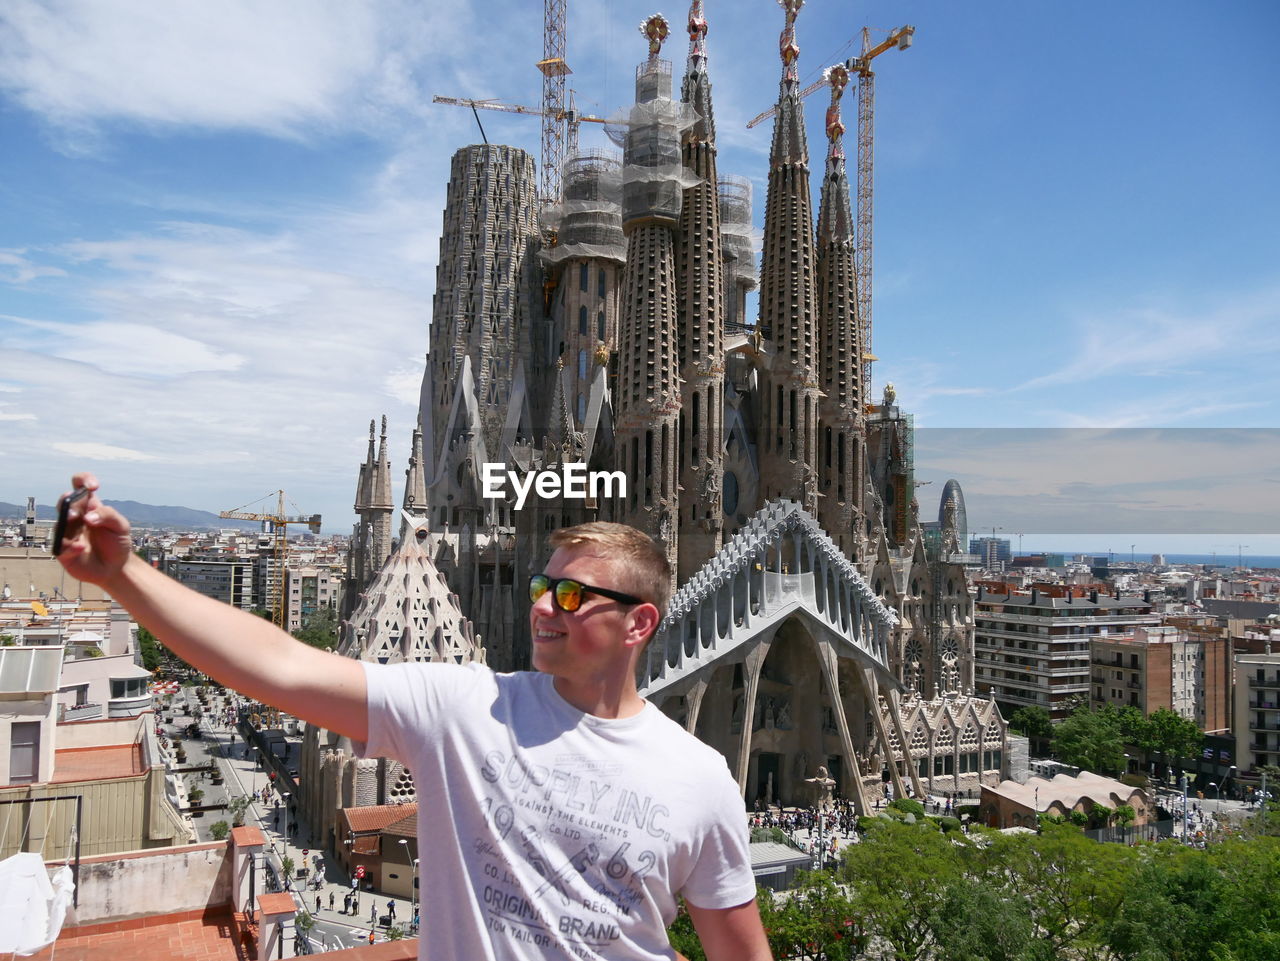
[
  {"x": 104, "y": 452},
  {"x": 280, "y": 68},
  {"x": 17, "y": 268},
  {"x": 1162, "y": 342}
]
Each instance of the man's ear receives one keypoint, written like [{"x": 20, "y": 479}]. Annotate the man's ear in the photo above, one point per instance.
[{"x": 643, "y": 624}]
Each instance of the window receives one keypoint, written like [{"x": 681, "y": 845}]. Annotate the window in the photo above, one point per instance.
[
  {"x": 600, "y": 326},
  {"x": 24, "y": 752},
  {"x": 582, "y": 277},
  {"x": 582, "y": 321},
  {"x": 128, "y": 687},
  {"x": 600, "y": 283}
]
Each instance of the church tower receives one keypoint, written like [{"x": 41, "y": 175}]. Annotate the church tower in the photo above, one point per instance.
[
  {"x": 700, "y": 286},
  {"x": 841, "y": 447},
  {"x": 648, "y": 402},
  {"x": 789, "y": 415},
  {"x": 371, "y": 537}
]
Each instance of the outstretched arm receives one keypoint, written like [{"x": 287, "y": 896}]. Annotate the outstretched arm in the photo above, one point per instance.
[
  {"x": 244, "y": 652},
  {"x": 731, "y": 934}
]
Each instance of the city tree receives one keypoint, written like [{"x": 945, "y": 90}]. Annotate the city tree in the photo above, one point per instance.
[
  {"x": 1033, "y": 722},
  {"x": 1072, "y": 885},
  {"x": 976, "y": 921},
  {"x": 319, "y": 628},
  {"x": 898, "y": 904},
  {"x": 1091, "y": 740},
  {"x": 1173, "y": 735}
]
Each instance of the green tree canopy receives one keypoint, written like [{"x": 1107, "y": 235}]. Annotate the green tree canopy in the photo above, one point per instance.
[
  {"x": 977, "y": 922},
  {"x": 1091, "y": 740},
  {"x": 319, "y": 628},
  {"x": 1173, "y": 735},
  {"x": 1032, "y": 721},
  {"x": 898, "y": 904}
]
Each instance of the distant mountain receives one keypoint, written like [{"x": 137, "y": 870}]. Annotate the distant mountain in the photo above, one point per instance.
[{"x": 141, "y": 515}]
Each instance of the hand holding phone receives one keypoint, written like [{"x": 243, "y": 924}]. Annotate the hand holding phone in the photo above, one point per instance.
[{"x": 61, "y": 529}]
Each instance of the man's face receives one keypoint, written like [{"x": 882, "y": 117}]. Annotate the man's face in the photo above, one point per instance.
[{"x": 588, "y": 644}]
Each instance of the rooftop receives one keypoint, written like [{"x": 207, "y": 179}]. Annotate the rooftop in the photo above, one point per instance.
[
  {"x": 378, "y": 816},
  {"x": 206, "y": 935},
  {"x": 97, "y": 763}
]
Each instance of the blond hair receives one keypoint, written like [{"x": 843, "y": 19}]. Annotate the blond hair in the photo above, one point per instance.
[{"x": 638, "y": 562}]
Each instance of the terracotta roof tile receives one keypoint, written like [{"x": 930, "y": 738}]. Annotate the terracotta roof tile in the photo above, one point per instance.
[
  {"x": 97, "y": 763},
  {"x": 405, "y": 827},
  {"x": 378, "y": 816}
]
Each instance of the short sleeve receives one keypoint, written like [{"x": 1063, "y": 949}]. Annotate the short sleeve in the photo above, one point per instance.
[
  {"x": 409, "y": 705},
  {"x": 721, "y": 875}
]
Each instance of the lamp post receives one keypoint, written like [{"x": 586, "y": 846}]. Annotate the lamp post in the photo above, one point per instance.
[
  {"x": 413, "y": 863},
  {"x": 1230, "y": 772},
  {"x": 284, "y": 796},
  {"x": 1216, "y": 793},
  {"x": 1185, "y": 839}
]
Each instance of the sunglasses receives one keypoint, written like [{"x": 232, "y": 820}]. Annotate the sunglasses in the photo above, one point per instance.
[{"x": 567, "y": 594}]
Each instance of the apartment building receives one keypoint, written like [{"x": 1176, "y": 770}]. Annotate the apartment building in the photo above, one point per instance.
[
  {"x": 1165, "y": 667},
  {"x": 229, "y": 579},
  {"x": 308, "y": 589},
  {"x": 1257, "y": 704},
  {"x": 1034, "y": 649}
]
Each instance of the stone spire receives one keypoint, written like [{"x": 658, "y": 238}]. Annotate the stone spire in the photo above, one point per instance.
[
  {"x": 371, "y": 536},
  {"x": 789, "y": 421},
  {"x": 648, "y": 402},
  {"x": 415, "y": 485},
  {"x": 700, "y": 276},
  {"x": 841, "y": 472},
  {"x": 696, "y": 90}
]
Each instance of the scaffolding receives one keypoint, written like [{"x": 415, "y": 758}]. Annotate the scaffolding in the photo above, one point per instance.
[
  {"x": 737, "y": 236},
  {"x": 588, "y": 221},
  {"x": 653, "y": 174}
]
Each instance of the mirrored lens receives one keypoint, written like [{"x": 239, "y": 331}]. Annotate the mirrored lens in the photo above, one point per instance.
[
  {"x": 538, "y": 585},
  {"x": 569, "y": 595}
]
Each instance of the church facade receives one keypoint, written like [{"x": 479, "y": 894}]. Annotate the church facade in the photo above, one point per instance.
[{"x": 816, "y": 620}]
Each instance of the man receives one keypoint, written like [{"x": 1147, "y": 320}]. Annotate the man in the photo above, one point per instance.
[{"x": 577, "y": 811}]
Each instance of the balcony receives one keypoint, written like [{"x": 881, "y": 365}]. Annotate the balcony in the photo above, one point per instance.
[
  {"x": 129, "y": 706},
  {"x": 79, "y": 712},
  {"x": 1266, "y": 682}
]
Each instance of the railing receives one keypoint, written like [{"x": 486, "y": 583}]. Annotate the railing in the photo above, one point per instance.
[{"x": 80, "y": 712}]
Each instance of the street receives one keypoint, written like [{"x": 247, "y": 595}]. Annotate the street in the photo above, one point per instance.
[{"x": 242, "y": 777}]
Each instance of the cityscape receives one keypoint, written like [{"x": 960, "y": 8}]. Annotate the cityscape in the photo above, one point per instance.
[{"x": 1052, "y": 632}]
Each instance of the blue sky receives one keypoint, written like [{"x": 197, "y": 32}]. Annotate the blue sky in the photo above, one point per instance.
[{"x": 219, "y": 223}]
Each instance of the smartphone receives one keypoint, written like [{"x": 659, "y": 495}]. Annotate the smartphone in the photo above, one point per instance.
[{"x": 64, "y": 507}]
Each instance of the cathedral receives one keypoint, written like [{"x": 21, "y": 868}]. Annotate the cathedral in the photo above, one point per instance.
[{"x": 817, "y": 621}]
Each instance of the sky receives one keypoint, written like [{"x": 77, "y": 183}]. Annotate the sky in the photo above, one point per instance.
[{"x": 219, "y": 226}]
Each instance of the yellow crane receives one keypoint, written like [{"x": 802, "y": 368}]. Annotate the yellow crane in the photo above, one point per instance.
[
  {"x": 860, "y": 67},
  {"x": 277, "y": 525}
]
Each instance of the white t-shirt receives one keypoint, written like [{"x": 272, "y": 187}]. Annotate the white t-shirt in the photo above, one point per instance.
[{"x": 544, "y": 832}]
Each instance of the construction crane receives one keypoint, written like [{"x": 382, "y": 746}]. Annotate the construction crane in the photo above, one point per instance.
[
  {"x": 559, "y": 121},
  {"x": 279, "y": 524},
  {"x": 569, "y": 116},
  {"x": 860, "y": 67}
]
